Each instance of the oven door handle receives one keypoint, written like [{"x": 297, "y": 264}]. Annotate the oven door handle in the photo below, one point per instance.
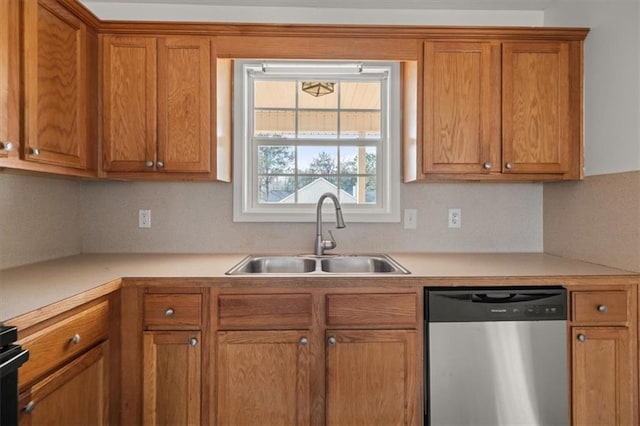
[{"x": 12, "y": 364}]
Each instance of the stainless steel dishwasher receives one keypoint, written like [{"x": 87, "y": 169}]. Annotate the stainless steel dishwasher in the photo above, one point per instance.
[{"x": 496, "y": 356}]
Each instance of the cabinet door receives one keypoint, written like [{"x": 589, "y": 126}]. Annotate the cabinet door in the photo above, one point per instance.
[
  {"x": 129, "y": 104},
  {"x": 76, "y": 394},
  {"x": 263, "y": 378},
  {"x": 9, "y": 79},
  {"x": 172, "y": 378},
  {"x": 461, "y": 107},
  {"x": 371, "y": 378},
  {"x": 602, "y": 376},
  {"x": 185, "y": 123},
  {"x": 535, "y": 107},
  {"x": 55, "y": 84}
]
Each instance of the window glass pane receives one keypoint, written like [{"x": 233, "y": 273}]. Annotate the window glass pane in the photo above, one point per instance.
[
  {"x": 274, "y": 123},
  {"x": 325, "y": 101},
  {"x": 360, "y": 124},
  {"x": 275, "y": 189},
  {"x": 275, "y": 94},
  {"x": 276, "y": 159},
  {"x": 358, "y": 160},
  {"x": 318, "y": 160},
  {"x": 318, "y": 124},
  {"x": 310, "y": 188},
  {"x": 358, "y": 190},
  {"x": 360, "y": 95}
]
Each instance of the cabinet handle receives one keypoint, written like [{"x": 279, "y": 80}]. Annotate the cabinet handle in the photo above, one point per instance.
[
  {"x": 603, "y": 309},
  {"x": 332, "y": 340},
  {"x": 304, "y": 341},
  {"x": 582, "y": 337},
  {"x": 7, "y": 146},
  {"x": 487, "y": 166},
  {"x": 169, "y": 312},
  {"x": 193, "y": 342},
  {"x": 508, "y": 166},
  {"x": 75, "y": 339},
  {"x": 30, "y": 407},
  {"x": 35, "y": 152},
  {"x": 149, "y": 164},
  {"x": 159, "y": 164}
]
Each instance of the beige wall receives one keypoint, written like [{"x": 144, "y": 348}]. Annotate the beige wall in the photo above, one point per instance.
[
  {"x": 197, "y": 217},
  {"x": 596, "y": 220},
  {"x": 39, "y": 219}
]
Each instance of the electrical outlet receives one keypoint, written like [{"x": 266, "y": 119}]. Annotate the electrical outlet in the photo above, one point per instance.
[
  {"x": 455, "y": 218},
  {"x": 144, "y": 218},
  {"x": 410, "y": 218}
]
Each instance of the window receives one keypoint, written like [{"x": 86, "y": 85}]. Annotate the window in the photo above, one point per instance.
[{"x": 306, "y": 128}]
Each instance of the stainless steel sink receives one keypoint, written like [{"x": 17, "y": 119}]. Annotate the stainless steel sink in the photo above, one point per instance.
[
  {"x": 309, "y": 264},
  {"x": 274, "y": 265},
  {"x": 374, "y": 264}
]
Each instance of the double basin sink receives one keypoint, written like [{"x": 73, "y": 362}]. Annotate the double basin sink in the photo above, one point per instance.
[{"x": 309, "y": 264}]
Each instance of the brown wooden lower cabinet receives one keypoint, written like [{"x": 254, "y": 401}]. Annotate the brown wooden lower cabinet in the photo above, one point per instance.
[
  {"x": 371, "y": 377},
  {"x": 602, "y": 374},
  {"x": 75, "y": 394},
  {"x": 172, "y": 378},
  {"x": 263, "y": 378}
]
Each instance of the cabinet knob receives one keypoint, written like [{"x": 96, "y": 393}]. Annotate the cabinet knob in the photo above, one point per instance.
[
  {"x": 508, "y": 166},
  {"x": 304, "y": 341},
  {"x": 193, "y": 342},
  {"x": 7, "y": 146},
  {"x": 35, "y": 151},
  {"x": 30, "y": 407},
  {"x": 487, "y": 166},
  {"x": 75, "y": 339},
  {"x": 169, "y": 312},
  {"x": 582, "y": 338},
  {"x": 149, "y": 164},
  {"x": 332, "y": 340},
  {"x": 159, "y": 164},
  {"x": 602, "y": 309}
]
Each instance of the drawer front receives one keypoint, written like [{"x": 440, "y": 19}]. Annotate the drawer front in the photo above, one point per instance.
[
  {"x": 375, "y": 310},
  {"x": 600, "y": 306},
  {"x": 54, "y": 345},
  {"x": 173, "y": 311},
  {"x": 254, "y": 311}
]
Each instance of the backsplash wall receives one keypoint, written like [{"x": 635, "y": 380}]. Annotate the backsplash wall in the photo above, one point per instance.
[
  {"x": 40, "y": 219},
  {"x": 194, "y": 217}
]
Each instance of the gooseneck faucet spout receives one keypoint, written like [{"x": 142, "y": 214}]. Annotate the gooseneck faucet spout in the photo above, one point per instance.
[{"x": 320, "y": 244}]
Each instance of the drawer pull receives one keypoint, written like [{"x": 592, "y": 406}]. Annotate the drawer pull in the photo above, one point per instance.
[
  {"x": 169, "y": 312},
  {"x": 304, "y": 341},
  {"x": 582, "y": 337},
  {"x": 332, "y": 340},
  {"x": 193, "y": 342},
  {"x": 30, "y": 407},
  {"x": 602, "y": 309},
  {"x": 75, "y": 339}
]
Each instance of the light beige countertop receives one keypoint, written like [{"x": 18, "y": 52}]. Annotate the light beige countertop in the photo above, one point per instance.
[{"x": 27, "y": 288}]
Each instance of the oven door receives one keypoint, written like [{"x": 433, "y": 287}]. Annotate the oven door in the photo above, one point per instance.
[{"x": 11, "y": 358}]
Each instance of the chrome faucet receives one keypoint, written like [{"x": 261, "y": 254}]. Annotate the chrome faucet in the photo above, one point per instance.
[{"x": 320, "y": 244}]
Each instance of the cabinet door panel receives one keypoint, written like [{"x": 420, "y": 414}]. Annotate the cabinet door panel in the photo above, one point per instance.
[
  {"x": 535, "y": 107},
  {"x": 129, "y": 103},
  {"x": 371, "y": 378},
  {"x": 185, "y": 125},
  {"x": 263, "y": 378},
  {"x": 55, "y": 85},
  {"x": 461, "y": 104},
  {"x": 9, "y": 79},
  {"x": 76, "y": 394},
  {"x": 602, "y": 382},
  {"x": 172, "y": 378}
]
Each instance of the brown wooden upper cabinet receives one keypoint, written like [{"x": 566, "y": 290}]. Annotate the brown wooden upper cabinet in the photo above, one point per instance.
[
  {"x": 56, "y": 129},
  {"x": 9, "y": 79},
  {"x": 498, "y": 110},
  {"x": 158, "y": 113}
]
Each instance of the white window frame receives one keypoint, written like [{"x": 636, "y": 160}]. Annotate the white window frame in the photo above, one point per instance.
[{"x": 245, "y": 203}]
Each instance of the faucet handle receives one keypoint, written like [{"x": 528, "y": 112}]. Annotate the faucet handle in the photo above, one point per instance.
[{"x": 330, "y": 243}]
